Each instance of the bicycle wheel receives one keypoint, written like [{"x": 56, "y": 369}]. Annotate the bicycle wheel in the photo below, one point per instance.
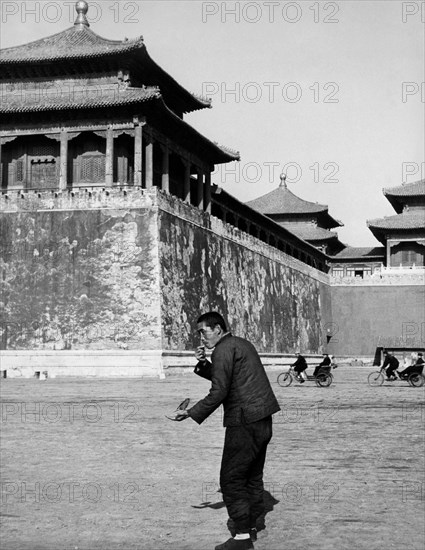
[
  {"x": 375, "y": 378},
  {"x": 284, "y": 379},
  {"x": 416, "y": 380},
  {"x": 323, "y": 380}
]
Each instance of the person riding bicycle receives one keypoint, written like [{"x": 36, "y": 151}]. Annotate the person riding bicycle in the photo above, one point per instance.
[
  {"x": 325, "y": 363},
  {"x": 300, "y": 366},
  {"x": 404, "y": 374},
  {"x": 391, "y": 364}
]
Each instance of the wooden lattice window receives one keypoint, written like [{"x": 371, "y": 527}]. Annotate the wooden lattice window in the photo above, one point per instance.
[
  {"x": 19, "y": 171},
  {"x": 43, "y": 150},
  {"x": 92, "y": 168}
]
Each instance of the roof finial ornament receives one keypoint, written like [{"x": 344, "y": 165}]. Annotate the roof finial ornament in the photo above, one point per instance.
[
  {"x": 82, "y": 8},
  {"x": 283, "y": 180}
]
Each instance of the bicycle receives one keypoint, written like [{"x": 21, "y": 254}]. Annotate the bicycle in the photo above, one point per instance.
[{"x": 323, "y": 380}]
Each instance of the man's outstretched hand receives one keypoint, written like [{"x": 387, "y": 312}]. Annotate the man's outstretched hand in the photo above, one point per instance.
[{"x": 179, "y": 415}]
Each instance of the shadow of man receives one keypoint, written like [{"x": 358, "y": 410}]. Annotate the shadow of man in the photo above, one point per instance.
[{"x": 269, "y": 504}]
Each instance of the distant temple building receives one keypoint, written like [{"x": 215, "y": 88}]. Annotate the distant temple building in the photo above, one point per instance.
[
  {"x": 309, "y": 221},
  {"x": 403, "y": 234},
  {"x": 358, "y": 261}
]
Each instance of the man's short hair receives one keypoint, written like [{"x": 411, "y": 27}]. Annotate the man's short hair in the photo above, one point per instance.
[
  {"x": 211, "y": 319},
  {"x": 420, "y": 354}
]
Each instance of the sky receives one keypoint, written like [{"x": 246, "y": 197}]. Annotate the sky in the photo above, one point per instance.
[{"x": 332, "y": 93}]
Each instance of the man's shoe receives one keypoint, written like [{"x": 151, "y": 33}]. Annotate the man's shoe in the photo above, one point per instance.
[{"x": 233, "y": 544}]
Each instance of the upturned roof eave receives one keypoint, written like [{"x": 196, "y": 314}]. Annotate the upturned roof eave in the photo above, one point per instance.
[
  {"x": 167, "y": 116},
  {"x": 196, "y": 102},
  {"x": 414, "y": 189},
  {"x": 105, "y": 49},
  {"x": 395, "y": 222}
]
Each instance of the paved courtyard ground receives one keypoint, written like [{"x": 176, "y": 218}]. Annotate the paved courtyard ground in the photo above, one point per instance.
[{"x": 94, "y": 464}]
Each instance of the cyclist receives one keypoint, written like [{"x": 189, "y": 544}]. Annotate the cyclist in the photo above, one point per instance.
[
  {"x": 391, "y": 364},
  {"x": 300, "y": 366}
]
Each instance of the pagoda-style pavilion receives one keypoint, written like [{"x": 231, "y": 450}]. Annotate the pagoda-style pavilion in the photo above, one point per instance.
[
  {"x": 78, "y": 110},
  {"x": 309, "y": 221},
  {"x": 358, "y": 261},
  {"x": 403, "y": 234}
]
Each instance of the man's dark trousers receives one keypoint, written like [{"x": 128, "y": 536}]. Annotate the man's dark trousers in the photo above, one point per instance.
[{"x": 241, "y": 475}]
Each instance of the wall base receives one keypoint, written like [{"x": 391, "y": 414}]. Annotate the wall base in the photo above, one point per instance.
[{"x": 99, "y": 363}]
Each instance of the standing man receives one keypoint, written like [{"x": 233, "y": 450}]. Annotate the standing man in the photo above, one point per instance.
[{"x": 240, "y": 383}]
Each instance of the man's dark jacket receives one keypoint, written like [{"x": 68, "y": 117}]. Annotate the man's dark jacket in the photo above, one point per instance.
[
  {"x": 391, "y": 361},
  {"x": 300, "y": 364},
  {"x": 239, "y": 382},
  {"x": 325, "y": 362}
]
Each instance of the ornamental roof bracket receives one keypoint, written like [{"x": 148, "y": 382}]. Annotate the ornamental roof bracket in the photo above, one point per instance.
[{"x": 81, "y": 8}]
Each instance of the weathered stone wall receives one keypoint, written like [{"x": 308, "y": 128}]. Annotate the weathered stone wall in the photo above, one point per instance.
[
  {"x": 273, "y": 300},
  {"x": 131, "y": 271},
  {"x": 79, "y": 271}
]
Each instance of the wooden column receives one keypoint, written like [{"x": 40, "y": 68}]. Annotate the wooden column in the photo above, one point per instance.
[
  {"x": 63, "y": 163},
  {"x": 149, "y": 163},
  {"x": 138, "y": 158},
  {"x": 109, "y": 160},
  {"x": 388, "y": 254},
  {"x": 200, "y": 189},
  {"x": 186, "y": 184},
  {"x": 207, "y": 193},
  {"x": 165, "y": 179}
]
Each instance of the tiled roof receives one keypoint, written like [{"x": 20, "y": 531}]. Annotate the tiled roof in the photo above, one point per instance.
[
  {"x": 81, "y": 43},
  {"x": 410, "y": 219},
  {"x": 283, "y": 201},
  {"x": 310, "y": 232},
  {"x": 416, "y": 188},
  {"x": 75, "y": 99},
  {"x": 361, "y": 252},
  {"x": 75, "y": 42}
]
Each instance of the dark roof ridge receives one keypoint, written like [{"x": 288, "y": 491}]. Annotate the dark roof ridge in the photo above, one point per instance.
[
  {"x": 412, "y": 188},
  {"x": 409, "y": 219},
  {"x": 278, "y": 196},
  {"x": 70, "y": 35}
]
